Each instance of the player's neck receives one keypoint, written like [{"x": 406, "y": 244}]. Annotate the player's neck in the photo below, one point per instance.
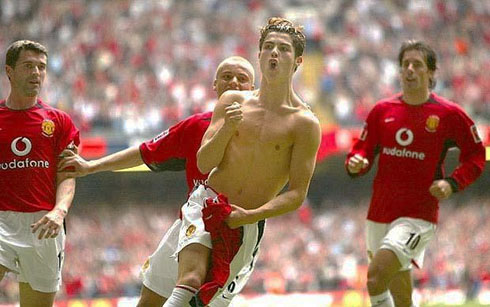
[
  {"x": 18, "y": 102},
  {"x": 275, "y": 93},
  {"x": 416, "y": 98}
]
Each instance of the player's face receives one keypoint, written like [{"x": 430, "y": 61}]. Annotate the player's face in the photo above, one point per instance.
[
  {"x": 233, "y": 76},
  {"x": 415, "y": 75},
  {"x": 277, "y": 54},
  {"x": 29, "y": 73}
]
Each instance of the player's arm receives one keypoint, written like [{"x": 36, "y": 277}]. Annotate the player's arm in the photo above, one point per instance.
[
  {"x": 51, "y": 223},
  {"x": 360, "y": 159},
  {"x": 302, "y": 165},
  {"x": 73, "y": 165},
  {"x": 227, "y": 115},
  {"x": 471, "y": 158}
]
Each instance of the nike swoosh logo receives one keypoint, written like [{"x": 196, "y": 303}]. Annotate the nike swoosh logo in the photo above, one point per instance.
[{"x": 389, "y": 119}]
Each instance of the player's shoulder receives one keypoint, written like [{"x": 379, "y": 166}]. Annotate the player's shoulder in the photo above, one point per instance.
[
  {"x": 235, "y": 95},
  {"x": 306, "y": 119},
  {"x": 445, "y": 103},
  {"x": 388, "y": 102},
  {"x": 55, "y": 112},
  {"x": 198, "y": 117},
  {"x": 386, "y": 105},
  {"x": 195, "y": 122}
]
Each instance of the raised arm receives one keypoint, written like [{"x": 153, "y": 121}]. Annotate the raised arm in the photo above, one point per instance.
[
  {"x": 227, "y": 116},
  {"x": 302, "y": 165}
]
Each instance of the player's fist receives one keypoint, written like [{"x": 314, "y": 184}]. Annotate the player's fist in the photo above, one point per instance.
[
  {"x": 441, "y": 189},
  {"x": 357, "y": 163},
  {"x": 233, "y": 115}
]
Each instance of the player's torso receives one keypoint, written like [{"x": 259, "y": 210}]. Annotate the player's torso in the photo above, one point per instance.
[
  {"x": 256, "y": 163},
  {"x": 27, "y": 141},
  {"x": 411, "y": 140},
  {"x": 28, "y": 150}
]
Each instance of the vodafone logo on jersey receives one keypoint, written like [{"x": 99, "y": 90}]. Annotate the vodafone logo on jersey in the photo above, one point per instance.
[
  {"x": 21, "y": 152},
  {"x": 21, "y": 146},
  {"x": 403, "y": 137}
]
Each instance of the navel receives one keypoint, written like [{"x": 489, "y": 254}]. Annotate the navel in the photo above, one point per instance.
[{"x": 278, "y": 147}]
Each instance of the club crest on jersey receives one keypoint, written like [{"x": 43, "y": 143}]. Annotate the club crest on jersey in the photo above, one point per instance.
[
  {"x": 161, "y": 136},
  {"x": 48, "y": 127},
  {"x": 190, "y": 230},
  {"x": 432, "y": 123}
]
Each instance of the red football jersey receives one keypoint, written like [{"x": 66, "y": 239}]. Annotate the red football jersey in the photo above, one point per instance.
[
  {"x": 176, "y": 148},
  {"x": 31, "y": 141},
  {"x": 412, "y": 142}
]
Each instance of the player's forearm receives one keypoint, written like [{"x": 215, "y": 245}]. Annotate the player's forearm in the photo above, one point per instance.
[
  {"x": 281, "y": 204},
  {"x": 211, "y": 152},
  {"x": 469, "y": 170},
  {"x": 126, "y": 158},
  {"x": 65, "y": 192}
]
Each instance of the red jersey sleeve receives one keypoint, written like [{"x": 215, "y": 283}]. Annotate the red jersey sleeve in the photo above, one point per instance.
[
  {"x": 69, "y": 134},
  {"x": 167, "y": 150},
  {"x": 472, "y": 155},
  {"x": 367, "y": 143}
]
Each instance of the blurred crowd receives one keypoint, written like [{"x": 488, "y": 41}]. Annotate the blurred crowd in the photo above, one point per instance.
[
  {"x": 310, "y": 250},
  {"x": 130, "y": 68}
]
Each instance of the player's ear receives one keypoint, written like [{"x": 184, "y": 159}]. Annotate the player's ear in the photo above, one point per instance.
[
  {"x": 298, "y": 62},
  {"x": 214, "y": 84},
  {"x": 8, "y": 71}
]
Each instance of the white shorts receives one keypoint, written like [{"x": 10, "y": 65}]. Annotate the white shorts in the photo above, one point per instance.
[
  {"x": 160, "y": 270},
  {"x": 406, "y": 237},
  {"x": 34, "y": 261}
]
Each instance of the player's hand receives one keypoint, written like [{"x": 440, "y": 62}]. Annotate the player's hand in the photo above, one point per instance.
[
  {"x": 357, "y": 163},
  {"x": 237, "y": 217},
  {"x": 72, "y": 165},
  {"x": 233, "y": 115},
  {"x": 50, "y": 224},
  {"x": 441, "y": 189}
]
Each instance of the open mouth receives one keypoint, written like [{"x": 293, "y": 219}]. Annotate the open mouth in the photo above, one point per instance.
[{"x": 273, "y": 64}]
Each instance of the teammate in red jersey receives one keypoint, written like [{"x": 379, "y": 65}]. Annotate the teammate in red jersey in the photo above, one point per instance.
[
  {"x": 34, "y": 201},
  {"x": 174, "y": 149},
  {"x": 412, "y": 133}
]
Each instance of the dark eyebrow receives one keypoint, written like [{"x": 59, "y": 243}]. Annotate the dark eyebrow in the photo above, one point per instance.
[{"x": 31, "y": 62}]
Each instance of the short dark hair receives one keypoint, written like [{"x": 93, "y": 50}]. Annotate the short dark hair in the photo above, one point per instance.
[
  {"x": 429, "y": 55},
  {"x": 279, "y": 24},
  {"x": 15, "y": 48}
]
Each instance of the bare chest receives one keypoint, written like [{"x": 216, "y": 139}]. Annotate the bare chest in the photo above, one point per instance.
[{"x": 268, "y": 131}]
